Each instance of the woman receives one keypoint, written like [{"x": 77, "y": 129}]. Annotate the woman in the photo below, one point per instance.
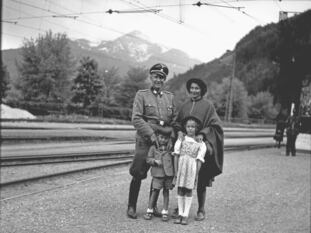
[{"x": 211, "y": 133}]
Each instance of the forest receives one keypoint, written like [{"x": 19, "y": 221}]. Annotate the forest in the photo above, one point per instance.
[{"x": 266, "y": 71}]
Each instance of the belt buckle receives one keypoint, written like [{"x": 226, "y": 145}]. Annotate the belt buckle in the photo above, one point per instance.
[{"x": 161, "y": 123}]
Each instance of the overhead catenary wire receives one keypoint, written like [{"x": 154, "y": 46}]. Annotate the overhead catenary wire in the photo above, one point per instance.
[
  {"x": 34, "y": 17},
  {"x": 90, "y": 23}
]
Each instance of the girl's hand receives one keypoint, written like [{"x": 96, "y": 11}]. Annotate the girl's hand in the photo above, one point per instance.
[
  {"x": 173, "y": 182},
  {"x": 169, "y": 145},
  {"x": 195, "y": 184}
]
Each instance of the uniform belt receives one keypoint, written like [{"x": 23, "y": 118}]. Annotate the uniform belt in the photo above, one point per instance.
[{"x": 157, "y": 122}]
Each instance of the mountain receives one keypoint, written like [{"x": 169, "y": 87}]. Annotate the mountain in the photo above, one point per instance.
[
  {"x": 130, "y": 50},
  {"x": 273, "y": 58},
  {"x": 213, "y": 71}
]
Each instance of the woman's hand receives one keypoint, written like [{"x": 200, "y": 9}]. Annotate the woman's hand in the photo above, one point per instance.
[
  {"x": 181, "y": 135},
  {"x": 200, "y": 138}
]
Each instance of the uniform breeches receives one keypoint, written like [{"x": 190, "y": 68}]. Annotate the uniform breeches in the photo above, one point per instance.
[{"x": 139, "y": 166}]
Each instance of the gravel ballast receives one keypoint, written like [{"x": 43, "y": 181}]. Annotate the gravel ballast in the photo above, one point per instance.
[{"x": 259, "y": 191}]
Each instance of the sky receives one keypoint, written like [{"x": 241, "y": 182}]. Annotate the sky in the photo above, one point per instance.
[{"x": 204, "y": 32}]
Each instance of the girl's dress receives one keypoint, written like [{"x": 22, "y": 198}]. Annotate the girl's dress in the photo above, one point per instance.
[{"x": 189, "y": 150}]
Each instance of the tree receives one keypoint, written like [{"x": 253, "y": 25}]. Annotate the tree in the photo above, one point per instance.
[
  {"x": 218, "y": 94},
  {"x": 46, "y": 68},
  {"x": 111, "y": 83},
  {"x": 136, "y": 79},
  {"x": 87, "y": 85},
  {"x": 261, "y": 106},
  {"x": 5, "y": 80}
]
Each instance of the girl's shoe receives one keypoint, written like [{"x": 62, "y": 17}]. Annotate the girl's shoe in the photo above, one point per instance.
[
  {"x": 178, "y": 220},
  {"x": 184, "y": 221},
  {"x": 165, "y": 217},
  {"x": 148, "y": 216}
]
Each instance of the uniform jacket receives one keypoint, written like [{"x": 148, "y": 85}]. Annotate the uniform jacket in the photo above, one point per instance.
[
  {"x": 166, "y": 169},
  {"x": 149, "y": 108},
  {"x": 212, "y": 130}
]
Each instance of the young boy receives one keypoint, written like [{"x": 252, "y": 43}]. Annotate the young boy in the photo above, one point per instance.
[{"x": 162, "y": 172}]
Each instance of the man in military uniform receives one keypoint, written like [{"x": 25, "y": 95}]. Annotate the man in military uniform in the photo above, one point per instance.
[{"x": 153, "y": 109}]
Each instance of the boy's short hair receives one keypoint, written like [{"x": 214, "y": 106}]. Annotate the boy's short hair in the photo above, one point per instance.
[{"x": 159, "y": 132}]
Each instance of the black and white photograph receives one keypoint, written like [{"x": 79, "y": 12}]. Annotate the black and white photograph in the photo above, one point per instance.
[{"x": 122, "y": 116}]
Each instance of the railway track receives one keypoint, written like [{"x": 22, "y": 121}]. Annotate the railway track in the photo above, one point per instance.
[
  {"x": 113, "y": 159},
  {"x": 10, "y": 161}
]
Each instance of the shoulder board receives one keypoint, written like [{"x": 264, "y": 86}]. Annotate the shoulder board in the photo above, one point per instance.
[
  {"x": 167, "y": 92},
  {"x": 144, "y": 90}
]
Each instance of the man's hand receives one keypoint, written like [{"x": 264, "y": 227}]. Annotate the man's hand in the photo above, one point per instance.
[
  {"x": 158, "y": 162},
  {"x": 154, "y": 140}
]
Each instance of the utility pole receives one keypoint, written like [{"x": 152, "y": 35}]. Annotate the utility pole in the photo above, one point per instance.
[{"x": 230, "y": 94}]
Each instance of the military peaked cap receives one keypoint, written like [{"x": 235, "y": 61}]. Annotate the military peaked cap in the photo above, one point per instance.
[{"x": 160, "y": 69}]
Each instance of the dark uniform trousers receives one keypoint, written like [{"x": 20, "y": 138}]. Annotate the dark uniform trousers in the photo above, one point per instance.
[
  {"x": 141, "y": 151},
  {"x": 291, "y": 143}
]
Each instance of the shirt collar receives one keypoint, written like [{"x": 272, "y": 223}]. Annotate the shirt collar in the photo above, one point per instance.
[{"x": 156, "y": 92}]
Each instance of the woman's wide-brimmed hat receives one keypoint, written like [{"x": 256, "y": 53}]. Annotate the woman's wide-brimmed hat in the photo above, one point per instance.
[
  {"x": 200, "y": 83},
  {"x": 184, "y": 121}
]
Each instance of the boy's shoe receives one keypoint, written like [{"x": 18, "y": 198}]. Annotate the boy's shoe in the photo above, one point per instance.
[
  {"x": 175, "y": 213},
  {"x": 148, "y": 216},
  {"x": 178, "y": 220},
  {"x": 156, "y": 212},
  {"x": 165, "y": 217},
  {"x": 200, "y": 216},
  {"x": 184, "y": 221}
]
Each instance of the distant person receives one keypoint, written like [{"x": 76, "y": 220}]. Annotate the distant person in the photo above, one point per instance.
[
  {"x": 189, "y": 156},
  {"x": 292, "y": 131},
  {"x": 162, "y": 172},
  {"x": 280, "y": 127},
  {"x": 211, "y": 134},
  {"x": 153, "y": 109}
]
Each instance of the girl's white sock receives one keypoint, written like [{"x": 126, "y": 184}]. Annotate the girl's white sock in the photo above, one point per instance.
[
  {"x": 164, "y": 211},
  {"x": 188, "y": 201},
  {"x": 180, "y": 201}
]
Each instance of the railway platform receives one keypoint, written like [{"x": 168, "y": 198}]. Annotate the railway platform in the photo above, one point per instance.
[{"x": 259, "y": 191}]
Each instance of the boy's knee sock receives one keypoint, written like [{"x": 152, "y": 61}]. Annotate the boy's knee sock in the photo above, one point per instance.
[
  {"x": 188, "y": 201},
  {"x": 181, "y": 203}
]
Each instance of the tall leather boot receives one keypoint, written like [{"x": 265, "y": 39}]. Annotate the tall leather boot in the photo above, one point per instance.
[{"x": 133, "y": 196}]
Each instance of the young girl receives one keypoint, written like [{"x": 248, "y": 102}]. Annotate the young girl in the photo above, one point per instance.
[{"x": 189, "y": 155}]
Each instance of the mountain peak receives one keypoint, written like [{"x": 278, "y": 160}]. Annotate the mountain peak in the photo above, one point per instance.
[{"x": 137, "y": 35}]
